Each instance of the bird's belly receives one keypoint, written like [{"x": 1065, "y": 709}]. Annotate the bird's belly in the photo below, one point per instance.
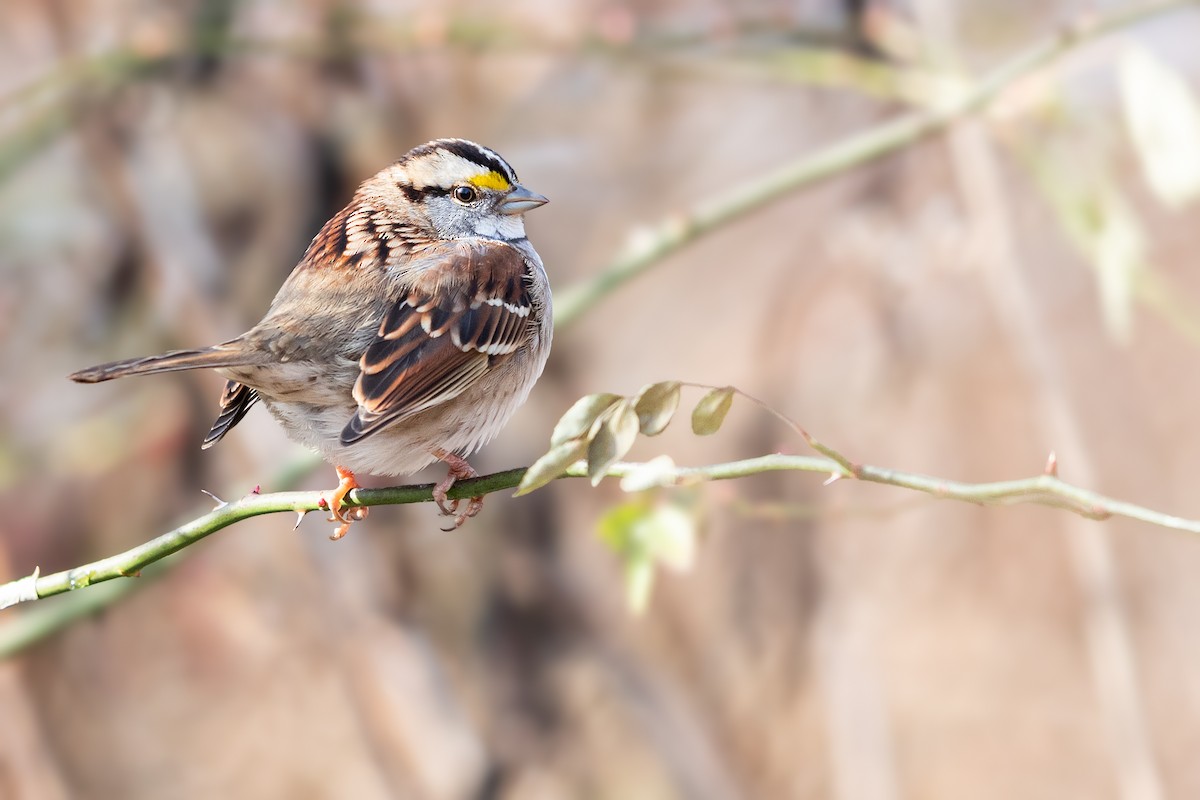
[
  {"x": 460, "y": 426},
  {"x": 314, "y": 404}
]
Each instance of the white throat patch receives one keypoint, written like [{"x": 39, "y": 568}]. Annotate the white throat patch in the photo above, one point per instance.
[{"x": 505, "y": 227}]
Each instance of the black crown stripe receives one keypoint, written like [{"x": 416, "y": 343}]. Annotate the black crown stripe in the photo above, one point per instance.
[{"x": 475, "y": 153}]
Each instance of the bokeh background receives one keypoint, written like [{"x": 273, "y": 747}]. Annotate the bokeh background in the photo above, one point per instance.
[{"x": 960, "y": 308}]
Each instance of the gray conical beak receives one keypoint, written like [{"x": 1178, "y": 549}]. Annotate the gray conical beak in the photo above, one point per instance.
[{"x": 520, "y": 200}]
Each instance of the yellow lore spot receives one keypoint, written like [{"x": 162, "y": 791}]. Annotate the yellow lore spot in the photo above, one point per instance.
[{"x": 491, "y": 180}]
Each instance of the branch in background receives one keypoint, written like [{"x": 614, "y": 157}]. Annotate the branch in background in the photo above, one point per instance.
[
  {"x": 883, "y": 140},
  {"x": 56, "y": 92}
]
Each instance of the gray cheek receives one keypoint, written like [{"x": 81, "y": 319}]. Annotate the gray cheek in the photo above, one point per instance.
[{"x": 449, "y": 220}]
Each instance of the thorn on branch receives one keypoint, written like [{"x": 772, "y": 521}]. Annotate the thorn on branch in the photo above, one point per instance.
[
  {"x": 833, "y": 478},
  {"x": 1052, "y": 465},
  {"x": 220, "y": 503}
]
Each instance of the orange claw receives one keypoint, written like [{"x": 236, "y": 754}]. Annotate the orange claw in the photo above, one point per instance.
[{"x": 346, "y": 484}]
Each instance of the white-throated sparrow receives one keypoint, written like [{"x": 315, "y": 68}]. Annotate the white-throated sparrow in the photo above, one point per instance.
[{"x": 411, "y": 330}]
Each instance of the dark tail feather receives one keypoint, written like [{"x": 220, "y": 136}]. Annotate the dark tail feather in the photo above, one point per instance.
[
  {"x": 235, "y": 402},
  {"x": 167, "y": 362}
]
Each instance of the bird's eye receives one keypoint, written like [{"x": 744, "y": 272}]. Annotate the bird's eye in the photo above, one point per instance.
[{"x": 465, "y": 194}]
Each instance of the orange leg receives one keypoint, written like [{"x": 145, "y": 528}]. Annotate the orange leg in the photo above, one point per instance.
[
  {"x": 346, "y": 484},
  {"x": 459, "y": 468}
]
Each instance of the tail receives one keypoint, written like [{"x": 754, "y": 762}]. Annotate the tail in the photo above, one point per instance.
[
  {"x": 235, "y": 402},
  {"x": 219, "y": 356}
]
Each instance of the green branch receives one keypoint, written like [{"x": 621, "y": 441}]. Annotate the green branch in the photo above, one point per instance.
[
  {"x": 131, "y": 562},
  {"x": 1046, "y": 489}
]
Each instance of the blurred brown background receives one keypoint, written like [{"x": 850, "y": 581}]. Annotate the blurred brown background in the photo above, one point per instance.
[{"x": 961, "y": 309}]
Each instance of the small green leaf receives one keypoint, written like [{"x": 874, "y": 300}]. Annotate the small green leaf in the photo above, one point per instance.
[
  {"x": 644, "y": 537},
  {"x": 1163, "y": 117},
  {"x": 611, "y": 440},
  {"x": 1102, "y": 225},
  {"x": 1120, "y": 251},
  {"x": 639, "y": 581},
  {"x": 711, "y": 410},
  {"x": 577, "y": 422},
  {"x": 617, "y": 525},
  {"x": 668, "y": 536},
  {"x": 551, "y": 465},
  {"x": 655, "y": 406}
]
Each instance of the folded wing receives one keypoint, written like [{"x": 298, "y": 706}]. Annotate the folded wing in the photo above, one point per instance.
[{"x": 467, "y": 309}]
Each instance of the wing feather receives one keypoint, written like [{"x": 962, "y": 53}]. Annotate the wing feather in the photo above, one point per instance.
[{"x": 467, "y": 309}]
